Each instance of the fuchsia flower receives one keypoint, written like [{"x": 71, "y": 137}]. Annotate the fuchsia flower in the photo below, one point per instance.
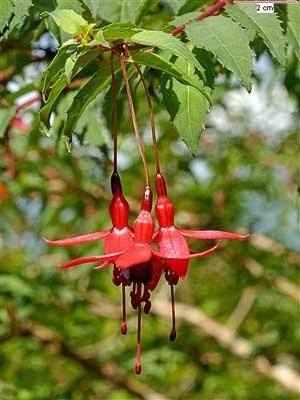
[
  {"x": 135, "y": 261},
  {"x": 117, "y": 239},
  {"x": 172, "y": 245}
]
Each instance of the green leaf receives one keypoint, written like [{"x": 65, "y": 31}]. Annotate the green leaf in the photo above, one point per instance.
[
  {"x": 186, "y": 105},
  {"x": 69, "y": 67},
  {"x": 227, "y": 41},
  {"x": 183, "y": 19},
  {"x": 157, "y": 61},
  {"x": 6, "y": 11},
  {"x": 173, "y": 5},
  {"x": 114, "y": 10},
  {"x": 167, "y": 42},
  {"x": 99, "y": 81},
  {"x": 6, "y": 115},
  {"x": 121, "y": 30},
  {"x": 191, "y": 5},
  {"x": 142, "y": 9},
  {"x": 74, "y": 5},
  {"x": 21, "y": 9},
  {"x": 267, "y": 26},
  {"x": 45, "y": 111},
  {"x": 293, "y": 27},
  {"x": 107, "y": 107},
  {"x": 98, "y": 39},
  {"x": 83, "y": 59},
  {"x": 55, "y": 68},
  {"x": 69, "y": 21}
]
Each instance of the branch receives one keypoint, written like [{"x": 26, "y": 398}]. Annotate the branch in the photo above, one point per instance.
[
  {"x": 282, "y": 284},
  {"x": 212, "y": 11},
  {"x": 243, "y": 307},
  {"x": 227, "y": 339}
]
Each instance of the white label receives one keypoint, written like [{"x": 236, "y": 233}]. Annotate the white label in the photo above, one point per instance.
[{"x": 267, "y": 8}]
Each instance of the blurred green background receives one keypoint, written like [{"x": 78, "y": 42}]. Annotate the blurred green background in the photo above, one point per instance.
[{"x": 238, "y": 310}]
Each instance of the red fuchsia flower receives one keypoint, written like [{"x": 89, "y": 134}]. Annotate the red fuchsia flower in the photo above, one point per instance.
[
  {"x": 117, "y": 239},
  {"x": 172, "y": 245},
  {"x": 130, "y": 252}
]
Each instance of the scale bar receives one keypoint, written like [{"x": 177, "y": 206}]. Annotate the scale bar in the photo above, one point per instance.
[{"x": 266, "y": 1}]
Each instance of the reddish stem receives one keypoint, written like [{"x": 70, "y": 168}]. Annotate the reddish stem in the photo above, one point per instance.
[
  {"x": 210, "y": 12},
  {"x": 115, "y": 115},
  {"x": 134, "y": 120},
  {"x": 150, "y": 112}
]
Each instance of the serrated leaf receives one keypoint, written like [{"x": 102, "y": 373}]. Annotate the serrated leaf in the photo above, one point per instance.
[
  {"x": 6, "y": 11},
  {"x": 121, "y": 30},
  {"x": 293, "y": 27},
  {"x": 6, "y": 115},
  {"x": 186, "y": 105},
  {"x": 167, "y": 42},
  {"x": 21, "y": 8},
  {"x": 69, "y": 21},
  {"x": 227, "y": 41},
  {"x": 99, "y": 81},
  {"x": 267, "y": 26},
  {"x": 156, "y": 61}
]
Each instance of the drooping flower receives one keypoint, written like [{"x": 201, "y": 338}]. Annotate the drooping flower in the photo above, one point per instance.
[
  {"x": 172, "y": 245},
  {"x": 130, "y": 252},
  {"x": 116, "y": 240}
]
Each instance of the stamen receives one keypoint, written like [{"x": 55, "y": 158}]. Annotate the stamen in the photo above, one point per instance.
[
  {"x": 173, "y": 331},
  {"x": 124, "y": 324},
  {"x": 138, "y": 365}
]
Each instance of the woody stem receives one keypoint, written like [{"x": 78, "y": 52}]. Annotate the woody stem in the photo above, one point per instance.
[
  {"x": 115, "y": 115},
  {"x": 214, "y": 10},
  {"x": 154, "y": 140},
  {"x": 134, "y": 120}
]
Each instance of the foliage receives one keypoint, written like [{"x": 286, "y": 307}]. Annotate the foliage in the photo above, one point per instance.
[{"x": 59, "y": 331}]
